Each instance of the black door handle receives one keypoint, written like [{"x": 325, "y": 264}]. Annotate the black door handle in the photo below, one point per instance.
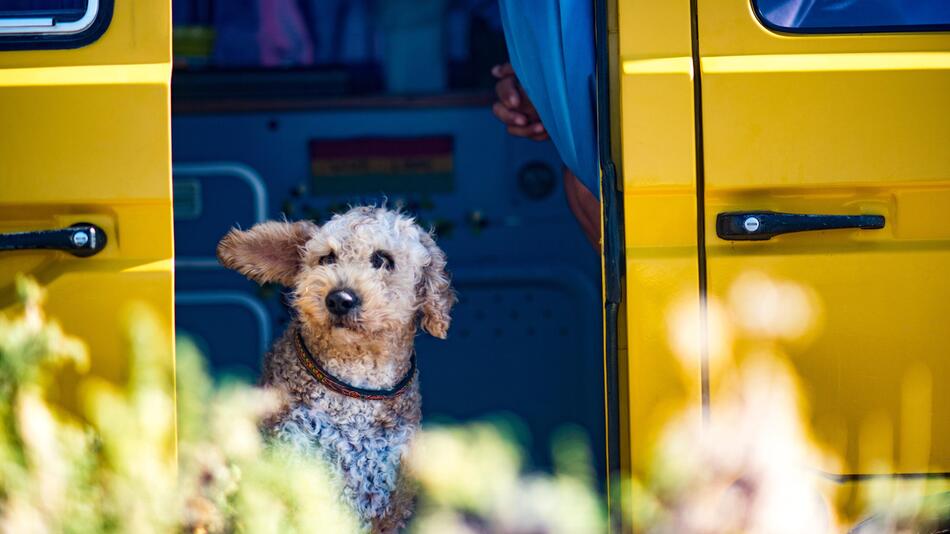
[
  {"x": 81, "y": 239},
  {"x": 762, "y": 225}
]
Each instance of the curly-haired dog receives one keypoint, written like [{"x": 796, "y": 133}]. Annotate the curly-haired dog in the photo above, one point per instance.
[{"x": 361, "y": 285}]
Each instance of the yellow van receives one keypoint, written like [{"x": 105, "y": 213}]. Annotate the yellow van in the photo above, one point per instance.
[{"x": 733, "y": 141}]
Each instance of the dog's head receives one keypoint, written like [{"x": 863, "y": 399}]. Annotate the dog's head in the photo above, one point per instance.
[{"x": 364, "y": 273}]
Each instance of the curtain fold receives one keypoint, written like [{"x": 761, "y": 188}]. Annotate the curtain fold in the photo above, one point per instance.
[{"x": 551, "y": 46}]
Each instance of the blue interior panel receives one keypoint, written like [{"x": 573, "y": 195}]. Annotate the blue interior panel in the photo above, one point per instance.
[{"x": 526, "y": 333}]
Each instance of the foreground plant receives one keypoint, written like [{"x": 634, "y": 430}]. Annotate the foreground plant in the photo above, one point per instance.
[
  {"x": 46, "y": 460},
  {"x": 115, "y": 463},
  {"x": 472, "y": 481},
  {"x": 114, "y": 466},
  {"x": 748, "y": 461}
]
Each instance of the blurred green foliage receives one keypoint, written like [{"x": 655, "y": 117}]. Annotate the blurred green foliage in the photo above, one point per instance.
[
  {"x": 168, "y": 450},
  {"x": 146, "y": 456}
]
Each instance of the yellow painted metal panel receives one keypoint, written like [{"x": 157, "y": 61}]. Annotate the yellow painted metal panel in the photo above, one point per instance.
[
  {"x": 658, "y": 172},
  {"x": 868, "y": 126},
  {"x": 845, "y": 124},
  {"x": 653, "y": 29},
  {"x": 87, "y": 138},
  {"x": 658, "y": 151}
]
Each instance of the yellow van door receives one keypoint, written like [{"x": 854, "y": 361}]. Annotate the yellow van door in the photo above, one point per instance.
[
  {"x": 825, "y": 136},
  {"x": 85, "y": 187}
]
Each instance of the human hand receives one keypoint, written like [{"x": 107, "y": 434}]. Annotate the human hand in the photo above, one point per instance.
[
  {"x": 585, "y": 207},
  {"x": 513, "y": 107}
]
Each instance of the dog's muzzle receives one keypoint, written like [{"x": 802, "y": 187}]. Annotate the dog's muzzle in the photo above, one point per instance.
[{"x": 342, "y": 301}]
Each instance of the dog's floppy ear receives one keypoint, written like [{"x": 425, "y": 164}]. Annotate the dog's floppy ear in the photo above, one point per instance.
[
  {"x": 437, "y": 295},
  {"x": 268, "y": 252}
]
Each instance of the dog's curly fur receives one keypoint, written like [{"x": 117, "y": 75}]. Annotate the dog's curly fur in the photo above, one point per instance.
[{"x": 364, "y": 440}]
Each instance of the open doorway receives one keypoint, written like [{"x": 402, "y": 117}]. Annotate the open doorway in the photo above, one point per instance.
[{"x": 298, "y": 108}]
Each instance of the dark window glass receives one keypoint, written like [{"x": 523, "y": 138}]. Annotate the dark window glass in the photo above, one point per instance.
[
  {"x": 842, "y": 16},
  {"x": 58, "y": 10},
  {"x": 52, "y": 24},
  {"x": 323, "y": 48}
]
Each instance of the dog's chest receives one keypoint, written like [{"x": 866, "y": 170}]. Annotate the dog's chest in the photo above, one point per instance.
[{"x": 363, "y": 442}]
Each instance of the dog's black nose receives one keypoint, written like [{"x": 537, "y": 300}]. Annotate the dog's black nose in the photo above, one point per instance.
[{"x": 342, "y": 301}]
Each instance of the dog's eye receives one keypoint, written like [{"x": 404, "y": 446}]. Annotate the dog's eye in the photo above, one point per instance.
[
  {"x": 328, "y": 259},
  {"x": 379, "y": 259}
]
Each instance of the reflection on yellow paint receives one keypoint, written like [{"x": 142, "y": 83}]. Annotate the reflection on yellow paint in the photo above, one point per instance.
[
  {"x": 150, "y": 73},
  {"x": 769, "y": 308},
  {"x": 685, "y": 331},
  {"x": 916, "y": 414},
  {"x": 827, "y": 62},
  {"x": 152, "y": 266}
]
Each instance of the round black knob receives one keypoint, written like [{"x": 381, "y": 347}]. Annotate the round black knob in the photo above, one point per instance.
[{"x": 537, "y": 180}]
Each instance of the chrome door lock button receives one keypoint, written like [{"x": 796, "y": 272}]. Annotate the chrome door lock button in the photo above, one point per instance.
[
  {"x": 751, "y": 224},
  {"x": 80, "y": 239}
]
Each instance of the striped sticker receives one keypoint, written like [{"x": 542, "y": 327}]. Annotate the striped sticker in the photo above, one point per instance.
[{"x": 382, "y": 164}]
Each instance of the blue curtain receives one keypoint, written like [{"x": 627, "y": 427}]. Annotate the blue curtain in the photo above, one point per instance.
[{"x": 551, "y": 45}]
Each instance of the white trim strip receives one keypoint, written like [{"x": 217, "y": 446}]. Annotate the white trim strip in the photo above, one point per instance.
[
  {"x": 26, "y": 23},
  {"x": 14, "y": 26},
  {"x": 240, "y": 171},
  {"x": 235, "y": 298},
  {"x": 243, "y": 173}
]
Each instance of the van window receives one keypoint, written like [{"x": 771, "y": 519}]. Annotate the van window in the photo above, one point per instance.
[
  {"x": 308, "y": 49},
  {"x": 28, "y": 24},
  {"x": 66, "y": 10},
  {"x": 853, "y": 16}
]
